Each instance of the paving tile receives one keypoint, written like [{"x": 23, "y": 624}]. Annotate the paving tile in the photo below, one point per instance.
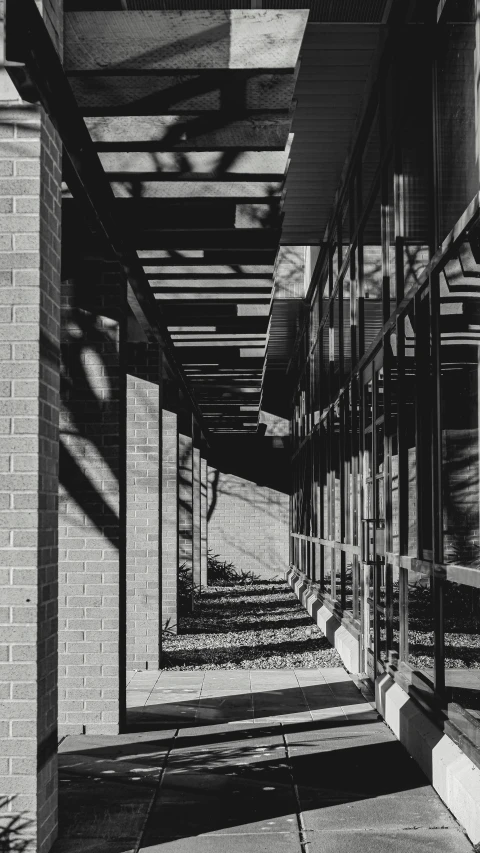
[
  {"x": 239, "y": 795},
  {"x": 268, "y": 842},
  {"x": 96, "y": 808},
  {"x": 419, "y": 807},
  {"x": 91, "y": 845},
  {"x": 227, "y": 784},
  {"x": 390, "y": 841}
]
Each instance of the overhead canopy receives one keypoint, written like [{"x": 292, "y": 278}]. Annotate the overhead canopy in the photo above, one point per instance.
[{"x": 193, "y": 114}]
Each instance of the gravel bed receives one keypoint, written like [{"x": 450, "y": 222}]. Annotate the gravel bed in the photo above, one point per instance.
[{"x": 252, "y": 626}]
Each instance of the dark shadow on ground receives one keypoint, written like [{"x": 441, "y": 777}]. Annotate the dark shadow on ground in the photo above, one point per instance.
[
  {"x": 194, "y": 711},
  {"x": 265, "y": 624},
  {"x": 214, "y": 783}
]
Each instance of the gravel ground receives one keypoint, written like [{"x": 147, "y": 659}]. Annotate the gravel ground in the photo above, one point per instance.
[{"x": 253, "y": 626}]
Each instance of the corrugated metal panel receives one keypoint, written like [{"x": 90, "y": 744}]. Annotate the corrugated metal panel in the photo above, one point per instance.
[{"x": 330, "y": 90}]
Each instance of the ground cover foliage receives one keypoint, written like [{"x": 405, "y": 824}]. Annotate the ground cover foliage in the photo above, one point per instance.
[{"x": 243, "y": 622}]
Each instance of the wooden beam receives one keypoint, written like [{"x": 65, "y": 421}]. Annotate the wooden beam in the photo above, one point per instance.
[
  {"x": 227, "y": 286},
  {"x": 208, "y": 271},
  {"x": 165, "y": 41},
  {"x": 198, "y": 166},
  {"x": 154, "y": 215},
  {"x": 224, "y": 298},
  {"x": 258, "y": 131},
  {"x": 34, "y": 57},
  {"x": 99, "y": 95},
  {"x": 216, "y": 238},
  {"x": 237, "y": 192}
]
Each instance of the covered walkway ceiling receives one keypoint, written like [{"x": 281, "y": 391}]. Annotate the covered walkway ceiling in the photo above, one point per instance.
[{"x": 223, "y": 133}]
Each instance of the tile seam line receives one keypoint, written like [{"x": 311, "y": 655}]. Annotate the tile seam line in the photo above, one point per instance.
[
  {"x": 302, "y": 832},
  {"x": 199, "y": 697},
  {"x": 304, "y": 696},
  {"x": 157, "y": 790}
]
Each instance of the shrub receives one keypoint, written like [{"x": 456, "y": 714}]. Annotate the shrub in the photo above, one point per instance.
[
  {"x": 221, "y": 573},
  {"x": 186, "y": 589}
]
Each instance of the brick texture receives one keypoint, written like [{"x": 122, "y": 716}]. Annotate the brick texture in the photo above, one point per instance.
[
  {"x": 185, "y": 502},
  {"x": 30, "y": 180},
  {"x": 248, "y": 524},
  {"x": 169, "y": 519},
  {"x": 92, "y": 504},
  {"x": 196, "y": 518},
  {"x": 203, "y": 520},
  {"x": 143, "y": 506}
]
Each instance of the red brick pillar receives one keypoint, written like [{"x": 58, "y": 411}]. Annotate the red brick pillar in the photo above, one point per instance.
[
  {"x": 30, "y": 182},
  {"x": 143, "y": 505},
  {"x": 169, "y": 520},
  {"x": 204, "y": 520},
  {"x": 92, "y": 503}
]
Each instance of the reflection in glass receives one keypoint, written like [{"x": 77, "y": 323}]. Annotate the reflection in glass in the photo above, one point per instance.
[
  {"x": 458, "y": 166},
  {"x": 372, "y": 274},
  {"x": 327, "y": 570},
  {"x": 409, "y": 449},
  {"x": 462, "y": 645},
  {"x": 413, "y": 201},
  {"x": 338, "y": 577},
  {"x": 420, "y": 622},
  {"x": 460, "y": 377}
]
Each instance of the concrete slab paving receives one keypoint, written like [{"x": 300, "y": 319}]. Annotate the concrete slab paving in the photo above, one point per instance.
[{"x": 251, "y": 761}]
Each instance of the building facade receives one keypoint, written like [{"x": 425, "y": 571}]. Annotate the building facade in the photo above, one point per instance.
[
  {"x": 385, "y": 426},
  {"x": 239, "y": 256}
]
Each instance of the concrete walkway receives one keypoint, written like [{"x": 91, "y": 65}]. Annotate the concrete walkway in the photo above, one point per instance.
[{"x": 262, "y": 761}]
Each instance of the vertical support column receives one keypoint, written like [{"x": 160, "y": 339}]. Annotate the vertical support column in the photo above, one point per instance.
[
  {"x": 204, "y": 520},
  {"x": 143, "y": 506},
  {"x": 185, "y": 513},
  {"x": 30, "y": 205},
  {"x": 169, "y": 502},
  {"x": 92, "y": 529},
  {"x": 196, "y": 510}
]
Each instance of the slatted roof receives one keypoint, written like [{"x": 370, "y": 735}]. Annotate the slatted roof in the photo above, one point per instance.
[{"x": 219, "y": 145}]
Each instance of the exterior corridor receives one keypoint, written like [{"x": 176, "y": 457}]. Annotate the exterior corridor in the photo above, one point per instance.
[{"x": 292, "y": 761}]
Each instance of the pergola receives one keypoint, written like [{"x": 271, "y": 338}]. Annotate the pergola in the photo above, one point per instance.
[{"x": 197, "y": 142}]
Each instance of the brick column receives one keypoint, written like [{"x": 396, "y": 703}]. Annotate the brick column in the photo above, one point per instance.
[
  {"x": 196, "y": 518},
  {"x": 92, "y": 504},
  {"x": 204, "y": 520},
  {"x": 143, "y": 506},
  {"x": 30, "y": 181},
  {"x": 169, "y": 520},
  {"x": 185, "y": 501}
]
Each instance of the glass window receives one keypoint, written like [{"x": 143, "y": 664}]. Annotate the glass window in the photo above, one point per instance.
[
  {"x": 408, "y": 448},
  {"x": 460, "y": 373},
  {"x": 372, "y": 284},
  {"x": 327, "y": 569},
  {"x": 391, "y": 424},
  {"x": 461, "y": 608},
  {"x": 459, "y": 377},
  {"x": 371, "y": 159},
  {"x": 390, "y": 235},
  {"x": 420, "y": 623},
  {"x": 412, "y": 196},
  {"x": 457, "y": 119}
]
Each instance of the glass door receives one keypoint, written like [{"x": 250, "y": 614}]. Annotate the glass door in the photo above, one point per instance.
[{"x": 373, "y": 516}]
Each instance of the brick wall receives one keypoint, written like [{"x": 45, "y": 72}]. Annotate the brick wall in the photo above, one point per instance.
[
  {"x": 169, "y": 519},
  {"x": 196, "y": 518},
  {"x": 185, "y": 501},
  {"x": 143, "y": 506},
  {"x": 248, "y": 524},
  {"x": 30, "y": 174},
  {"x": 92, "y": 503},
  {"x": 203, "y": 520}
]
